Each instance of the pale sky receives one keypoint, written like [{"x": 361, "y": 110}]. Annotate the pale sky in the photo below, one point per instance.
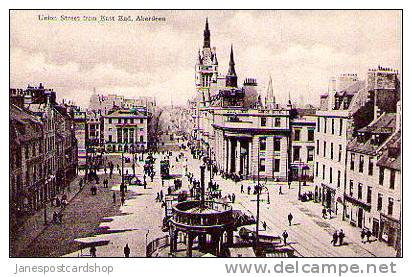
[{"x": 301, "y": 50}]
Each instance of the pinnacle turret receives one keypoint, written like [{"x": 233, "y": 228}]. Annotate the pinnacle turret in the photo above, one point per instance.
[{"x": 206, "y": 35}]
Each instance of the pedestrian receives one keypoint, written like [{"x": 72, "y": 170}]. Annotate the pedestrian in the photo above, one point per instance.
[
  {"x": 114, "y": 197},
  {"x": 330, "y": 213},
  {"x": 363, "y": 235},
  {"x": 341, "y": 236},
  {"x": 264, "y": 225},
  {"x": 280, "y": 190},
  {"x": 285, "y": 236},
  {"x": 324, "y": 215},
  {"x": 233, "y": 198},
  {"x": 248, "y": 190},
  {"x": 335, "y": 237},
  {"x": 123, "y": 200},
  {"x": 241, "y": 188},
  {"x": 368, "y": 236},
  {"x": 290, "y": 218},
  {"x": 126, "y": 250},
  {"x": 144, "y": 184},
  {"x": 93, "y": 251}
]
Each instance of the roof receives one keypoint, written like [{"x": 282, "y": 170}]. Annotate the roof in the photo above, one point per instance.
[
  {"x": 385, "y": 124},
  {"x": 351, "y": 89},
  {"x": 23, "y": 125},
  {"x": 127, "y": 114},
  {"x": 391, "y": 147}
]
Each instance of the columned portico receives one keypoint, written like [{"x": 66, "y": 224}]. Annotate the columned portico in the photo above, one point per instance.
[{"x": 238, "y": 155}]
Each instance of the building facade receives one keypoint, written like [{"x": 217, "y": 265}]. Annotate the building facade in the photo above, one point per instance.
[
  {"x": 125, "y": 130},
  {"x": 43, "y": 149}
]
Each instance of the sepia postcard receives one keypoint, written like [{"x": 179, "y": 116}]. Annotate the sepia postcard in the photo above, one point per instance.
[{"x": 205, "y": 133}]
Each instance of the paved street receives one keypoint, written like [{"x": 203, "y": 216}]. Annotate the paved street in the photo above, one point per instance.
[
  {"x": 96, "y": 220},
  {"x": 310, "y": 235}
]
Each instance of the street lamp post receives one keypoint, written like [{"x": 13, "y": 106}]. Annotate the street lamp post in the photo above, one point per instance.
[
  {"x": 45, "y": 200},
  {"x": 299, "y": 179},
  {"x": 147, "y": 234},
  {"x": 123, "y": 166},
  {"x": 258, "y": 192},
  {"x": 202, "y": 185}
]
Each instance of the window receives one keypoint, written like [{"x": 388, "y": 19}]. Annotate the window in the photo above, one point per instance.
[
  {"x": 331, "y": 150},
  {"x": 262, "y": 144},
  {"x": 119, "y": 135},
  {"x": 379, "y": 206},
  {"x": 351, "y": 187},
  {"x": 340, "y": 153},
  {"x": 317, "y": 147},
  {"x": 120, "y": 120},
  {"x": 323, "y": 171},
  {"x": 360, "y": 191},
  {"x": 110, "y": 121},
  {"x": 325, "y": 127},
  {"x": 141, "y": 139},
  {"x": 277, "y": 122},
  {"x": 262, "y": 164},
  {"x": 338, "y": 183},
  {"x": 296, "y": 153},
  {"x": 297, "y": 135},
  {"x": 263, "y": 121},
  {"x": 310, "y": 151},
  {"x": 330, "y": 175},
  {"x": 277, "y": 165},
  {"x": 370, "y": 167},
  {"x": 361, "y": 162},
  {"x": 141, "y": 120},
  {"x": 132, "y": 120},
  {"x": 352, "y": 161},
  {"x": 311, "y": 135},
  {"x": 318, "y": 125},
  {"x": 324, "y": 149},
  {"x": 317, "y": 169},
  {"x": 340, "y": 126},
  {"x": 333, "y": 126},
  {"x": 110, "y": 138},
  {"x": 276, "y": 144},
  {"x": 390, "y": 206},
  {"x": 392, "y": 179},
  {"x": 381, "y": 175},
  {"x": 369, "y": 195}
]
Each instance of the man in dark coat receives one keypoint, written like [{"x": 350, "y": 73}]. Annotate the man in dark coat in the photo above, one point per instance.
[
  {"x": 290, "y": 218},
  {"x": 285, "y": 236},
  {"x": 126, "y": 251}
]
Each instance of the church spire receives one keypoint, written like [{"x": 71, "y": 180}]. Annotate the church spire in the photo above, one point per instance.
[
  {"x": 206, "y": 35},
  {"x": 231, "y": 70},
  {"x": 270, "y": 98},
  {"x": 231, "y": 77}
]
